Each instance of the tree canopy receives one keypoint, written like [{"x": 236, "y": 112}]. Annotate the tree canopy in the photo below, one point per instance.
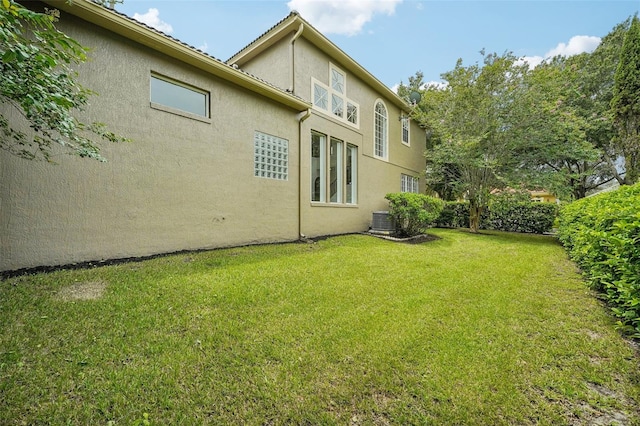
[
  {"x": 569, "y": 125},
  {"x": 37, "y": 82}
]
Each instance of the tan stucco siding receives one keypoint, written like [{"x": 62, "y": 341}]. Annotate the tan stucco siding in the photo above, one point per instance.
[
  {"x": 274, "y": 67},
  {"x": 181, "y": 184}
]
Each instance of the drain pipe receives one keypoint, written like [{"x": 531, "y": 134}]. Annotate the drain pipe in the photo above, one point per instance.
[
  {"x": 292, "y": 57},
  {"x": 301, "y": 118}
]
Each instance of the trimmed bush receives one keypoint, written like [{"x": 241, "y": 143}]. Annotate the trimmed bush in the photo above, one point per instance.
[
  {"x": 504, "y": 214},
  {"x": 413, "y": 213},
  {"x": 602, "y": 235},
  {"x": 521, "y": 216}
]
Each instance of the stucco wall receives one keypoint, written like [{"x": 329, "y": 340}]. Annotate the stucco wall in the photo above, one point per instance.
[{"x": 181, "y": 183}]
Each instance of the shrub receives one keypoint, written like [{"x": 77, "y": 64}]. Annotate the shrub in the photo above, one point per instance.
[
  {"x": 602, "y": 235},
  {"x": 504, "y": 214},
  {"x": 521, "y": 216},
  {"x": 455, "y": 214},
  {"x": 413, "y": 213}
]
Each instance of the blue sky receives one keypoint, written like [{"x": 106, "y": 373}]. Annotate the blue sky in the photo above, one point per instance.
[{"x": 393, "y": 39}]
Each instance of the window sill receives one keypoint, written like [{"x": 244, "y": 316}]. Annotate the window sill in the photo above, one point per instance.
[
  {"x": 181, "y": 113},
  {"x": 336, "y": 205}
]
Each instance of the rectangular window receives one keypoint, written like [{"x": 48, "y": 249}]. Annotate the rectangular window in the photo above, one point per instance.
[
  {"x": 335, "y": 171},
  {"x": 405, "y": 130},
  {"x": 332, "y": 99},
  {"x": 352, "y": 174},
  {"x": 337, "y": 106},
  {"x": 337, "y": 80},
  {"x": 179, "y": 96},
  {"x": 320, "y": 96},
  {"x": 271, "y": 156},
  {"x": 408, "y": 183},
  {"x": 318, "y": 167},
  {"x": 352, "y": 113}
]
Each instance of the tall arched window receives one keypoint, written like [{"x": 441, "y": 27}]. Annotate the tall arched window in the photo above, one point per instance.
[{"x": 381, "y": 144}]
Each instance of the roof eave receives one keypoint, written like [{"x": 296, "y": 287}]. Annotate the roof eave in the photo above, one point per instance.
[
  {"x": 290, "y": 24},
  {"x": 124, "y": 26}
]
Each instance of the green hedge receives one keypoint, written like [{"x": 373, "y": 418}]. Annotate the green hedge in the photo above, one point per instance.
[
  {"x": 502, "y": 215},
  {"x": 602, "y": 235}
]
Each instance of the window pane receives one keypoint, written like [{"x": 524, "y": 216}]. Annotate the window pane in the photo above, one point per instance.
[
  {"x": 335, "y": 171},
  {"x": 380, "y": 148},
  {"x": 318, "y": 166},
  {"x": 405, "y": 130},
  {"x": 352, "y": 113},
  {"x": 337, "y": 105},
  {"x": 352, "y": 174},
  {"x": 179, "y": 97},
  {"x": 337, "y": 81},
  {"x": 320, "y": 97}
]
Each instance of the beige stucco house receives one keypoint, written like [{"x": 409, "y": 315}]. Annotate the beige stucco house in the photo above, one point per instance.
[{"x": 288, "y": 138}]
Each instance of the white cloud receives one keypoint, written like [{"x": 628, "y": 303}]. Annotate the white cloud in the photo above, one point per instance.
[
  {"x": 152, "y": 19},
  {"x": 577, "y": 45},
  {"x": 203, "y": 47},
  {"x": 346, "y": 17}
]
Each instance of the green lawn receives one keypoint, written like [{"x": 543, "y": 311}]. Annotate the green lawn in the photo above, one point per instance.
[{"x": 470, "y": 329}]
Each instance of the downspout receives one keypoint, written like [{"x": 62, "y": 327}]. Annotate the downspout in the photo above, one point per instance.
[
  {"x": 292, "y": 58},
  {"x": 301, "y": 118}
]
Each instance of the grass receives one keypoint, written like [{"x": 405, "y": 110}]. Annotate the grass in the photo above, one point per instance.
[{"x": 470, "y": 329}]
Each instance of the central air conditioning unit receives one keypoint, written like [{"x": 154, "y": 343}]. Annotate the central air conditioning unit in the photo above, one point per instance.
[{"x": 382, "y": 222}]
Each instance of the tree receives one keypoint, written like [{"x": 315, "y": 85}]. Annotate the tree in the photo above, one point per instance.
[
  {"x": 625, "y": 105},
  {"x": 468, "y": 118},
  {"x": 38, "y": 83}
]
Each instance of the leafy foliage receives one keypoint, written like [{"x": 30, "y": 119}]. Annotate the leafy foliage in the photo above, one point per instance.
[
  {"x": 413, "y": 213},
  {"x": 625, "y": 104},
  {"x": 37, "y": 82},
  {"x": 468, "y": 151},
  {"x": 504, "y": 213},
  {"x": 602, "y": 234}
]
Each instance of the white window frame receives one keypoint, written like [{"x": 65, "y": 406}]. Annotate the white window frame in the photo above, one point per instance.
[
  {"x": 405, "y": 129},
  {"x": 409, "y": 183},
  {"x": 346, "y": 192},
  {"x": 175, "y": 109},
  {"x": 338, "y": 105},
  {"x": 380, "y": 131}
]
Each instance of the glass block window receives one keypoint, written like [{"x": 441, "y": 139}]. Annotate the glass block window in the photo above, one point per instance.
[{"x": 271, "y": 157}]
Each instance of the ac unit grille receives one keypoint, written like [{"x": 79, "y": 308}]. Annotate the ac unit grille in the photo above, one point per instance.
[{"x": 382, "y": 222}]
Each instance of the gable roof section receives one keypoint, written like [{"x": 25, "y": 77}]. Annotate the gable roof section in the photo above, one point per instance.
[
  {"x": 161, "y": 42},
  {"x": 292, "y": 23}
]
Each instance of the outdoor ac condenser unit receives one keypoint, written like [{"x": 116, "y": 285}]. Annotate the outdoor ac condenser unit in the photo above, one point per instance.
[{"x": 382, "y": 222}]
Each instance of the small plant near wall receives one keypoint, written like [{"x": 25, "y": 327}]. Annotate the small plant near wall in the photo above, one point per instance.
[{"x": 413, "y": 213}]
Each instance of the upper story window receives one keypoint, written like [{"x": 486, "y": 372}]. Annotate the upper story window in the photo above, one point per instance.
[
  {"x": 405, "y": 129},
  {"x": 381, "y": 131},
  {"x": 179, "y": 96},
  {"x": 333, "y": 99}
]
